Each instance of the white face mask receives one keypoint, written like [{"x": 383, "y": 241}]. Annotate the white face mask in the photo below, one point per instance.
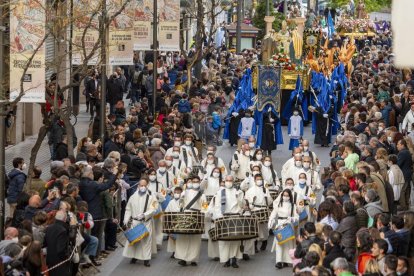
[
  {"x": 196, "y": 186},
  {"x": 259, "y": 157},
  {"x": 210, "y": 161},
  {"x": 295, "y": 113},
  {"x": 189, "y": 185},
  {"x": 15, "y": 239},
  {"x": 24, "y": 167},
  {"x": 306, "y": 165},
  {"x": 188, "y": 143},
  {"x": 251, "y": 145},
  {"x": 286, "y": 199},
  {"x": 176, "y": 154},
  {"x": 380, "y": 129},
  {"x": 177, "y": 196},
  {"x": 142, "y": 189},
  {"x": 298, "y": 163},
  {"x": 267, "y": 163},
  {"x": 259, "y": 183},
  {"x": 216, "y": 174},
  {"x": 302, "y": 181},
  {"x": 228, "y": 184},
  {"x": 247, "y": 153},
  {"x": 389, "y": 139},
  {"x": 290, "y": 187},
  {"x": 152, "y": 177},
  {"x": 177, "y": 143},
  {"x": 168, "y": 162},
  {"x": 162, "y": 169}
]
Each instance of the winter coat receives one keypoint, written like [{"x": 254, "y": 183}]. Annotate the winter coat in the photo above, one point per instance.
[
  {"x": 184, "y": 106},
  {"x": 348, "y": 228},
  {"x": 17, "y": 179},
  {"x": 332, "y": 254},
  {"x": 374, "y": 208}
]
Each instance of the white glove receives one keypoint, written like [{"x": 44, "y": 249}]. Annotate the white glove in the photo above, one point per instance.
[
  {"x": 140, "y": 216},
  {"x": 271, "y": 223},
  {"x": 235, "y": 114},
  {"x": 271, "y": 120},
  {"x": 325, "y": 115}
]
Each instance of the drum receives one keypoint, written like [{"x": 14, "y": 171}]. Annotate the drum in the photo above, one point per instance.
[
  {"x": 183, "y": 223},
  {"x": 274, "y": 193},
  {"x": 262, "y": 215},
  {"x": 284, "y": 233},
  {"x": 212, "y": 234},
  {"x": 136, "y": 234},
  {"x": 233, "y": 228}
]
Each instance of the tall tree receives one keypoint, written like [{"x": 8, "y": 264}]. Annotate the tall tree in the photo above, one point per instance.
[{"x": 258, "y": 19}]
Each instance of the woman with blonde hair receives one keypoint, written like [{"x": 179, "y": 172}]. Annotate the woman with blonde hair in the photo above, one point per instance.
[
  {"x": 372, "y": 268},
  {"x": 381, "y": 156},
  {"x": 316, "y": 248},
  {"x": 82, "y": 144}
]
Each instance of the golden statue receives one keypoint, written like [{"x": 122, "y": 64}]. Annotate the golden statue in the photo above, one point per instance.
[
  {"x": 297, "y": 41},
  {"x": 268, "y": 47},
  {"x": 283, "y": 38}
]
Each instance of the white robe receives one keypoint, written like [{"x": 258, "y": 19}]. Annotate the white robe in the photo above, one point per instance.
[
  {"x": 292, "y": 172},
  {"x": 212, "y": 246},
  {"x": 286, "y": 167},
  {"x": 160, "y": 196},
  {"x": 135, "y": 206},
  {"x": 191, "y": 159},
  {"x": 234, "y": 204},
  {"x": 187, "y": 247},
  {"x": 162, "y": 178},
  {"x": 176, "y": 173},
  {"x": 209, "y": 167},
  {"x": 268, "y": 177},
  {"x": 210, "y": 187},
  {"x": 173, "y": 206},
  {"x": 241, "y": 166},
  {"x": 247, "y": 183},
  {"x": 284, "y": 211},
  {"x": 257, "y": 198}
]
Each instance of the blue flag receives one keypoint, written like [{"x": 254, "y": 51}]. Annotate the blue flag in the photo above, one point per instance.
[{"x": 331, "y": 26}]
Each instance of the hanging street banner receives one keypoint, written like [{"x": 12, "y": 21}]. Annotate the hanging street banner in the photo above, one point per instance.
[
  {"x": 85, "y": 31},
  {"x": 169, "y": 25},
  {"x": 142, "y": 25},
  {"x": 121, "y": 30},
  {"x": 27, "y": 32}
]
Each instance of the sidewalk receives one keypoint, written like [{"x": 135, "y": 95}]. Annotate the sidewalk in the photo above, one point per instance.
[{"x": 24, "y": 148}]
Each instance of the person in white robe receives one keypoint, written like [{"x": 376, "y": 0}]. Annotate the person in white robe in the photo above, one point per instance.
[
  {"x": 240, "y": 163},
  {"x": 212, "y": 161},
  {"x": 270, "y": 177},
  {"x": 259, "y": 199},
  {"x": 177, "y": 144},
  {"x": 289, "y": 163},
  {"x": 284, "y": 211},
  {"x": 177, "y": 162},
  {"x": 293, "y": 171},
  {"x": 163, "y": 176},
  {"x": 306, "y": 198},
  {"x": 313, "y": 179},
  {"x": 187, "y": 247},
  {"x": 311, "y": 154},
  {"x": 159, "y": 191},
  {"x": 140, "y": 208},
  {"x": 257, "y": 158},
  {"x": 252, "y": 145},
  {"x": 247, "y": 126},
  {"x": 174, "y": 205},
  {"x": 174, "y": 171},
  {"x": 189, "y": 153},
  {"x": 229, "y": 201},
  {"x": 248, "y": 182},
  {"x": 213, "y": 251}
]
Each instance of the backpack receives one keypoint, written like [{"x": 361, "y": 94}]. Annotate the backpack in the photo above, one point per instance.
[{"x": 135, "y": 77}]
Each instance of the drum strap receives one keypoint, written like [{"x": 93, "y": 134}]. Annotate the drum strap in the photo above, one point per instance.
[
  {"x": 168, "y": 179},
  {"x": 191, "y": 203},
  {"x": 265, "y": 197},
  {"x": 185, "y": 157},
  {"x": 273, "y": 174},
  {"x": 146, "y": 203},
  {"x": 223, "y": 201}
]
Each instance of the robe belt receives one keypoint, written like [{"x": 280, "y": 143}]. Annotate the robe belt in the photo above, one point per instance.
[
  {"x": 260, "y": 206},
  {"x": 282, "y": 218}
]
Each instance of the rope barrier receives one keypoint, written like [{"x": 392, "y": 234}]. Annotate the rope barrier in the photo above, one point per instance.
[{"x": 61, "y": 263}]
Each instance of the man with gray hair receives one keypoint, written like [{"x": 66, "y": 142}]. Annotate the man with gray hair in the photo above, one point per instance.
[{"x": 340, "y": 266}]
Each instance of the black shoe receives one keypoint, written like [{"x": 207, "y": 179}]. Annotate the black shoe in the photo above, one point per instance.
[
  {"x": 246, "y": 257},
  {"x": 172, "y": 256},
  {"x": 133, "y": 261},
  {"x": 227, "y": 264},
  {"x": 147, "y": 263},
  {"x": 109, "y": 248},
  {"x": 182, "y": 263},
  {"x": 95, "y": 262},
  {"x": 193, "y": 263},
  {"x": 279, "y": 265},
  {"x": 285, "y": 265},
  {"x": 216, "y": 259},
  {"x": 234, "y": 264},
  {"x": 264, "y": 245}
]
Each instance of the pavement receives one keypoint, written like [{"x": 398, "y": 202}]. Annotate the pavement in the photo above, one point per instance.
[{"x": 262, "y": 263}]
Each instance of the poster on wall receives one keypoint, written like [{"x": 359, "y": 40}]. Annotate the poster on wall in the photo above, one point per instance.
[
  {"x": 27, "y": 36},
  {"x": 85, "y": 32},
  {"x": 142, "y": 25},
  {"x": 169, "y": 25},
  {"x": 120, "y": 45}
]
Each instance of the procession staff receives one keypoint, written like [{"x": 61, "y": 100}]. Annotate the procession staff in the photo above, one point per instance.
[
  {"x": 187, "y": 247},
  {"x": 259, "y": 199},
  {"x": 140, "y": 209},
  {"x": 284, "y": 211},
  {"x": 229, "y": 201}
]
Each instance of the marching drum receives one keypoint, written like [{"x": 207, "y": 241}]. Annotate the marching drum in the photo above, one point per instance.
[
  {"x": 136, "y": 234},
  {"x": 236, "y": 227},
  {"x": 262, "y": 215},
  {"x": 274, "y": 193},
  {"x": 183, "y": 223},
  {"x": 212, "y": 234}
]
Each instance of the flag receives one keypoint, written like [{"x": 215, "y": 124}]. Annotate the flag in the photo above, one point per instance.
[{"x": 331, "y": 26}]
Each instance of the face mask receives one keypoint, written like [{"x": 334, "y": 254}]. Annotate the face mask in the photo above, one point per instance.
[
  {"x": 306, "y": 165},
  {"x": 152, "y": 177},
  {"x": 305, "y": 148},
  {"x": 247, "y": 153},
  {"x": 295, "y": 113},
  {"x": 228, "y": 184},
  {"x": 162, "y": 169},
  {"x": 126, "y": 129},
  {"x": 267, "y": 163},
  {"x": 251, "y": 145},
  {"x": 259, "y": 157},
  {"x": 302, "y": 181},
  {"x": 15, "y": 239},
  {"x": 147, "y": 142},
  {"x": 177, "y": 196},
  {"x": 298, "y": 163},
  {"x": 216, "y": 174},
  {"x": 380, "y": 129},
  {"x": 290, "y": 187},
  {"x": 188, "y": 143},
  {"x": 189, "y": 185},
  {"x": 24, "y": 167},
  {"x": 175, "y": 154},
  {"x": 210, "y": 162},
  {"x": 389, "y": 139},
  {"x": 168, "y": 162},
  {"x": 286, "y": 199},
  {"x": 196, "y": 186},
  {"x": 177, "y": 144},
  {"x": 142, "y": 189},
  {"x": 259, "y": 183}
]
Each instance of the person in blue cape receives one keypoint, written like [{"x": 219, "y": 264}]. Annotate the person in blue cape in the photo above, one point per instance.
[{"x": 269, "y": 131}]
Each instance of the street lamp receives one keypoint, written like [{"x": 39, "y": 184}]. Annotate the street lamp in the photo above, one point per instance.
[{"x": 238, "y": 27}]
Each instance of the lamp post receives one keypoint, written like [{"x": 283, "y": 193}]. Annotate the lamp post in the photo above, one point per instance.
[
  {"x": 155, "y": 47},
  {"x": 238, "y": 27},
  {"x": 102, "y": 115}
]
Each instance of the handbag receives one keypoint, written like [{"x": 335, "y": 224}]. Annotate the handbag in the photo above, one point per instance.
[{"x": 284, "y": 233}]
